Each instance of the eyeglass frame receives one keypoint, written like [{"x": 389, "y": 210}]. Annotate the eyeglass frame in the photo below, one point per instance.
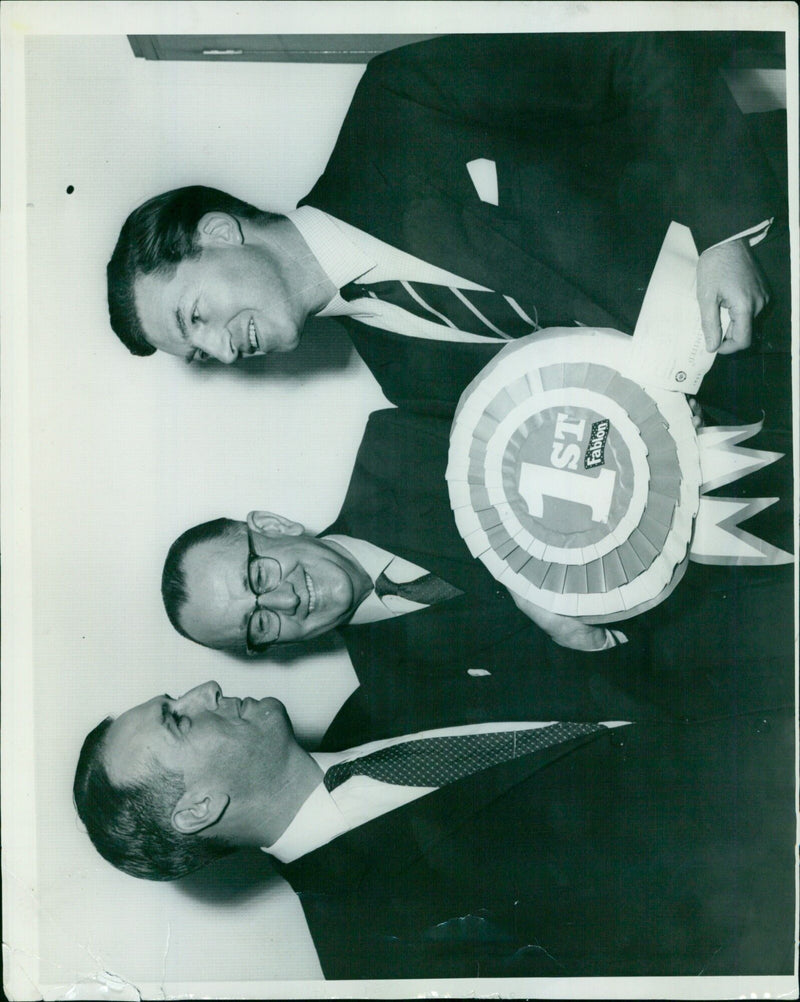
[{"x": 252, "y": 555}]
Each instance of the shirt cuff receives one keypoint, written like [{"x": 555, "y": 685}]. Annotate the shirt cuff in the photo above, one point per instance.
[{"x": 754, "y": 235}]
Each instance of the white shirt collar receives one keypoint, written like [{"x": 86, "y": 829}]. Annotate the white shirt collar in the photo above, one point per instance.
[
  {"x": 346, "y": 253},
  {"x": 318, "y": 822},
  {"x": 375, "y": 560},
  {"x": 338, "y": 256},
  {"x": 326, "y": 815}
]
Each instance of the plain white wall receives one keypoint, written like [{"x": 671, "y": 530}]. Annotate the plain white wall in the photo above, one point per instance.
[{"x": 128, "y": 452}]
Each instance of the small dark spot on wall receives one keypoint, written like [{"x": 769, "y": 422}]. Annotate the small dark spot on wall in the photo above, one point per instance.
[{"x": 70, "y": 188}]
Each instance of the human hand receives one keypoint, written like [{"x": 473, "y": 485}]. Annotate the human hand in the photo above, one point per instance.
[
  {"x": 697, "y": 413},
  {"x": 728, "y": 275},
  {"x": 569, "y": 632}
]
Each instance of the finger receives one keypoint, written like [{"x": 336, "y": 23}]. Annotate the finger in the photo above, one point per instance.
[
  {"x": 618, "y": 637},
  {"x": 710, "y": 322},
  {"x": 592, "y": 638}
]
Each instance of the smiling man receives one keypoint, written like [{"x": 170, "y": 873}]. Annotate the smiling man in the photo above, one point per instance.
[
  {"x": 247, "y": 288},
  {"x": 434, "y": 639},
  {"x": 454, "y": 213},
  {"x": 213, "y": 758},
  {"x": 266, "y": 581},
  {"x": 448, "y": 853},
  {"x": 431, "y": 636}
]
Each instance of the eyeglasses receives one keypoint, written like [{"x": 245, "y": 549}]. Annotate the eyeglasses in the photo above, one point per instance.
[{"x": 263, "y": 576}]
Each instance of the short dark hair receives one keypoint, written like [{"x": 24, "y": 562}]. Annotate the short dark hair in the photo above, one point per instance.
[
  {"x": 131, "y": 826},
  {"x": 173, "y": 578},
  {"x": 156, "y": 237}
]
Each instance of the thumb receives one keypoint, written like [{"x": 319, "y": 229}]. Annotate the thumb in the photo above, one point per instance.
[
  {"x": 566, "y": 631},
  {"x": 739, "y": 332},
  {"x": 581, "y": 637}
]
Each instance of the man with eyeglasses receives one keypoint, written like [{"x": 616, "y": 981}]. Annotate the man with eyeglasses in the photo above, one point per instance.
[
  {"x": 249, "y": 585},
  {"x": 433, "y": 638}
]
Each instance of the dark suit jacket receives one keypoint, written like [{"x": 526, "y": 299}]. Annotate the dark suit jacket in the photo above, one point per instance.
[
  {"x": 712, "y": 647},
  {"x": 650, "y": 850},
  {"x": 599, "y": 142},
  {"x": 664, "y": 850}
]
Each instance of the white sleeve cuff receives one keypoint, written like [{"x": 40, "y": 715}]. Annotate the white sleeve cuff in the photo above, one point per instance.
[{"x": 754, "y": 235}]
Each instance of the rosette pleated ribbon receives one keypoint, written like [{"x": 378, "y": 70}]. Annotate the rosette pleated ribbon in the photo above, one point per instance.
[{"x": 582, "y": 489}]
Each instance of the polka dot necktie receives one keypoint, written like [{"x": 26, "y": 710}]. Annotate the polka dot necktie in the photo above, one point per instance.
[
  {"x": 475, "y": 311},
  {"x": 436, "y": 761}
]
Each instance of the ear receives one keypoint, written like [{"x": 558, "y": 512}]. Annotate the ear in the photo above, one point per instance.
[
  {"x": 217, "y": 228},
  {"x": 193, "y": 813},
  {"x": 270, "y": 524}
]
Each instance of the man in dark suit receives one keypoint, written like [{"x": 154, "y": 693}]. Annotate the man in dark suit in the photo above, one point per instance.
[
  {"x": 469, "y": 654},
  {"x": 524, "y": 849},
  {"x": 544, "y": 169}
]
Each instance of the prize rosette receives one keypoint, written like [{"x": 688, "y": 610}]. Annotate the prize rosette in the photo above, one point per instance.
[{"x": 576, "y": 485}]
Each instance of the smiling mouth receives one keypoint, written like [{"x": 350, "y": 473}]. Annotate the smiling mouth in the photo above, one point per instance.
[
  {"x": 312, "y": 594},
  {"x": 252, "y": 335}
]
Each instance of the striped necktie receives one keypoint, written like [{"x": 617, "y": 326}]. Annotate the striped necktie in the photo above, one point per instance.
[
  {"x": 436, "y": 761},
  {"x": 476, "y": 312}
]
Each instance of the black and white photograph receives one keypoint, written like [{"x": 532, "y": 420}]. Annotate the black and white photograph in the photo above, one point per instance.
[{"x": 399, "y": 516}]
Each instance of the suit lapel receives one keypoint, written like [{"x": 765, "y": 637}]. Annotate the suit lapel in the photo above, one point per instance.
[
  {"x": 472, "y": 238},
  {"x": 447, "y": 225},
  {"x": 410, "y": 517},
  {"x": 379, "y": 851},
  {"x": 398, "y": 498}
]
